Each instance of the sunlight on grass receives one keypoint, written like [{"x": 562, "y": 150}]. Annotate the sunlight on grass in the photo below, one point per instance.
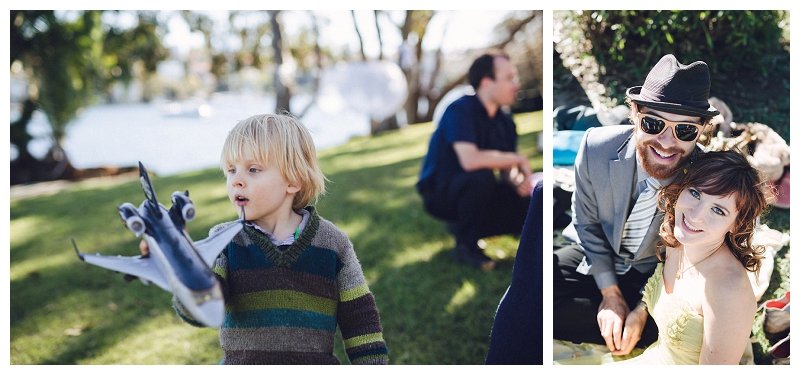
[
  {"x": 413, "y": 143},
  {"x": 461, "y": 297},
  {"x": 354, "y": 228},
  {"x": 529, "y": 122},
  {"x": 29, "y": 349},
  {"x": 89, "y": 334},
  {"x": 378, "y": 158},
  {"x": 361, "y": 197},
  {"x": 414, "y": 254},
  {"x": 208, "y": 194},
  {"x": 59, "y": 325},
  {"x": 501, "y": 247},
  {"x": 394, "y": 156},
  {"x": 396, "y": 203},
  {"x": 407, "y": 182},
  {"x": 25, "y": 229},
  {"x": 164, "y": 340},
  {"x": 23, "y": 269},
  {"x": 106, "y": 182}
]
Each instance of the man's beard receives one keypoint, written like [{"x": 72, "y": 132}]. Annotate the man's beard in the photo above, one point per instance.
[{"x": 658, "y": 170}]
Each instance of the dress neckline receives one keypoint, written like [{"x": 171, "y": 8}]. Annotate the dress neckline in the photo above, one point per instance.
[{"x": 677, "y": 298}]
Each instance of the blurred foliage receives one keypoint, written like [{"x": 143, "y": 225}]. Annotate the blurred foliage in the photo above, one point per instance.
[
  {"x": 134, "y": 52},
  {"x": 746, "y": 51},
  {"x": 519, "y": 34},
  {"x": 526, "y": 51},
  {"x": 70, "y": 59},
  {"x": 726, "y": 40},
  {"x": 64, "y": 58}
]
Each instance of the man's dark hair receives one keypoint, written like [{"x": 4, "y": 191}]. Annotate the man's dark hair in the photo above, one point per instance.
[{"x": 482, "y": 67}]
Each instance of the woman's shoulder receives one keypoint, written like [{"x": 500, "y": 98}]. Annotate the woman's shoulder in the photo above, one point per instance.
[
  {"x": 728, "y": 285},
  {"x": 728, "y": 272}
]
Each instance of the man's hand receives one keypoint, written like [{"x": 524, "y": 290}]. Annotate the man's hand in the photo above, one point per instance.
[
  {"x": 632, "y": 332},
  {"x": 520, "y": 178},
  {"x": 524, "y": 189},
  {"x": 611, "y": 317}
]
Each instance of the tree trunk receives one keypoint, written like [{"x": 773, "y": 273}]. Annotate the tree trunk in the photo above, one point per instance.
[
  {"x": 318, "y": 55},
  {"x": 389, "y": 123},
  {"x": 417, "y": 22},
  {"x": 283, "y": 94},
  {"x": 380, "y": 40},
  {"x": 360, "y": 40},
  {"x": 433, "y": 100}
]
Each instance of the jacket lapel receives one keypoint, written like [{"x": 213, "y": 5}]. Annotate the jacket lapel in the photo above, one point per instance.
[{"x": 622, "y": 169}]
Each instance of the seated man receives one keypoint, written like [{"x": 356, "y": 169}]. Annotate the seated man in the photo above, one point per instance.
[
  {"x": 598, "y": 279},
  {"x": 474, "y": 139}
]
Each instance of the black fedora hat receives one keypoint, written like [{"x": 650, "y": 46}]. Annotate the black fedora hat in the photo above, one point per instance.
[{"x": 676, "y": 88}]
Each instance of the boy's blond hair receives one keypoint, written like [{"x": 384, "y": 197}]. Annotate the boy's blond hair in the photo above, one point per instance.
[{"x": 284, "y": 138}]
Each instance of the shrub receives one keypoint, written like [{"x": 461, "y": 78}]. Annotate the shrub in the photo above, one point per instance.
[{"x": 628, "y": 43}]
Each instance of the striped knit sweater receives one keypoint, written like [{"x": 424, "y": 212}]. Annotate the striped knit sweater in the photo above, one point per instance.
[{"x": 283, "y": 306}]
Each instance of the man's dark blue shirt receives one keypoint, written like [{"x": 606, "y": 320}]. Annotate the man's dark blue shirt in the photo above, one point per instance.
[{"x": 464, "y": 120}]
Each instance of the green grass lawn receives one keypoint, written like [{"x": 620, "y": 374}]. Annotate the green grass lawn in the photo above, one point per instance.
[
  {"x": 780, "y": 281},
  {"x": 433, "y": 310}
]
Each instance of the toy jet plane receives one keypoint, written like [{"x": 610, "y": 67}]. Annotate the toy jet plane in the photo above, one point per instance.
[{"x": 175, "y": 263}]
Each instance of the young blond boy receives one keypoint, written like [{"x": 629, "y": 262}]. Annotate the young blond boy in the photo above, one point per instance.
[{"x": 290, "y": 277}]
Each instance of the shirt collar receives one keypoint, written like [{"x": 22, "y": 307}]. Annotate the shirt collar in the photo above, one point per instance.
[{"x": 288, "y": 240}]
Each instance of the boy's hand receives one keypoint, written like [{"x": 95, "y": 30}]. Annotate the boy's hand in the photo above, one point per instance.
[
  {"x": 145, "y": 254},
  {"x": 145, "y": 250},
  {"x": 143, "y": 247}
]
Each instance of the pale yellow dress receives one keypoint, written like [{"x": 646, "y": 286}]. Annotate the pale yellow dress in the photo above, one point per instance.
[{"x": 680, "y": 331}]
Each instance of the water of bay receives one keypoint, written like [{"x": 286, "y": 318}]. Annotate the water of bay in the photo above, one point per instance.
[{"x": 167, "y": 141}]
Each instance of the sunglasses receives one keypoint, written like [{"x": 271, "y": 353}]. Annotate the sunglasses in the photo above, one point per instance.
[{"x": 655, "y": 125}]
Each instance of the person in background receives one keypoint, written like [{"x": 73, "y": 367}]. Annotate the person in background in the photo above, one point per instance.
[
  {"x": 474, "y": 139},
  {"x": 516, "y": 337}
]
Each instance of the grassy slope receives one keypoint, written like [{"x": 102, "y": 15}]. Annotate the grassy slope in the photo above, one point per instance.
[{"x": 433, "y": 310}]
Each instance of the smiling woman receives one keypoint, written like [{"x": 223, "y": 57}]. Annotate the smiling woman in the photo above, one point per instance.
[
  {"x": 701, "y": 296},
  {"x": 704, "y": 217},
  {"x": 711, "y": 215},
  {"x": 721, "y": 195},
  {"x": 710, "y": 218}
]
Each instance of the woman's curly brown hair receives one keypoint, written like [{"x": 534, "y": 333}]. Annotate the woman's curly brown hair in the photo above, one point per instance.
[{"x": 721, "y": 173}]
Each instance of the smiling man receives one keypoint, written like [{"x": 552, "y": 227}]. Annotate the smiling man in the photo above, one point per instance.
[{"x": 618, "y": 172}]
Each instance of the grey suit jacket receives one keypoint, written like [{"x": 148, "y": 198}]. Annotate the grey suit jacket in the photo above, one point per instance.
[{"x": 605, "y": 176}]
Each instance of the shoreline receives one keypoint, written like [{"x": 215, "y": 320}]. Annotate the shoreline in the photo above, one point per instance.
[{"x": 36, "y": 189}]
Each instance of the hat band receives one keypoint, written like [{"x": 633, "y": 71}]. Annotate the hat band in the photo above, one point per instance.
[{"x": 660, "y": 98}]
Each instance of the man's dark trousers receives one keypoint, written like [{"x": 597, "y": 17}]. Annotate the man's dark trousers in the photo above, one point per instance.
[
  {"x": 479, "y": 206},
  {"x": 576, "y": 299}
]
